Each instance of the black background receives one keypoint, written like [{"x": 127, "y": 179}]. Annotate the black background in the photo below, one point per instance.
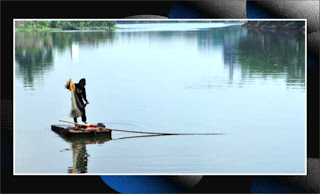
[{"x": 108, "y": 9}]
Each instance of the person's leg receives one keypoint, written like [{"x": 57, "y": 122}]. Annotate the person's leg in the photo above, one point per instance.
[
  {"x": 83, "y": 116},
  {"x": 76, "y": 121}
]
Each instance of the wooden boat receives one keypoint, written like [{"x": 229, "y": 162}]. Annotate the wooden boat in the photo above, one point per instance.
[
  {"x": 89, "y": 130},
  {"x": 86, "y": 129}
]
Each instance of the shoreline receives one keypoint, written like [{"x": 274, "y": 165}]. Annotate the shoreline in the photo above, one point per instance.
[
  {"x": 274, "y": 26},
  {"x": 59, "y": 29}
]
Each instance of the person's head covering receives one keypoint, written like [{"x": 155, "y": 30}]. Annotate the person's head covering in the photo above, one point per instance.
[{"x": 83, "y": 81}]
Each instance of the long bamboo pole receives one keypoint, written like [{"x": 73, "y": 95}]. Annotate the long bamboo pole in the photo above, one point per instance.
[{"x": 144, "y": 132}]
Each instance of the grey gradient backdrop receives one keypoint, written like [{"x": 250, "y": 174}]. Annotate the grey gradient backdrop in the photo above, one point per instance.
[{"x": 294, "y": 9}]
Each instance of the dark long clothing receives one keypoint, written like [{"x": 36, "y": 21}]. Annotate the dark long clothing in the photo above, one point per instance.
[{"x": 81, "y": 94}]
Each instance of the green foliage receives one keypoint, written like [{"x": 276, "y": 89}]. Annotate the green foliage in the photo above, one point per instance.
[
  {"x": 53, "y": 24},
  {"x": 69, "y": 27},
  {"x": 44, "y": 25},
  {"x": 110, "y": 24},
  {"x": 282, "y": 52}
]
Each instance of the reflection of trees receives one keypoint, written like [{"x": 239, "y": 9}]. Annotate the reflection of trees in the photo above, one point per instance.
[
  {"x": 34, "y": 50},
  {"x": 64, "y": 40},
  {"x": 263, "y": 53},
  {"x": 209, "y": 39},
  {"x": 225, "y": 40},
  {"x": 253, "y": 52},
  {"x": 157, "y": 36},
  {"x": 273, "y": 54},
  {"x": 231, "y": 39},
  {"x": 257, "y": 54},
  {"x": 33, "y": 54}
]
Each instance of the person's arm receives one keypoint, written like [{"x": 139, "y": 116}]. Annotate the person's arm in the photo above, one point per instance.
[{"x": 84, "y": 95}]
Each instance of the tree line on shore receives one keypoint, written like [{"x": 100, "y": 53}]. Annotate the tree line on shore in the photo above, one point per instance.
[
  {"x": 283, "y": 25},
  {"x": 65, "y": 25},
  {"x": 44, "y": 25}
]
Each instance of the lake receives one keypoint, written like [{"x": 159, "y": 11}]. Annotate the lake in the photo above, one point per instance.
[{"x": 248, "y": 84}]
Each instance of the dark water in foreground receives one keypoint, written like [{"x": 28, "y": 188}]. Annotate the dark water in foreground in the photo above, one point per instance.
[{"x": 248, "y": 84}]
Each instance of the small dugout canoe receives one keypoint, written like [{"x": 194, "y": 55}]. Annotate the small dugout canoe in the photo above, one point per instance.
[{"x": 68, "y": 130}]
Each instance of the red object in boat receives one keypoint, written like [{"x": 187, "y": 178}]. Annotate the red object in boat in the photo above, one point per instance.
[{"x": 92, "y": 127}]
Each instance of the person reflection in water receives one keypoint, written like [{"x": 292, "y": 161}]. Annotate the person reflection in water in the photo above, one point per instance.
[{"x": 80, "y": 158}]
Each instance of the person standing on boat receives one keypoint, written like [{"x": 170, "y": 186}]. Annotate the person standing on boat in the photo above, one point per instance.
[
  {"x": 81, "y": 94},
  {"x": 78, "y": 95}
]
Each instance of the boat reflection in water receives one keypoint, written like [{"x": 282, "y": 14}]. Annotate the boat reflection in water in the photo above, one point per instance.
[{"x": 80, "y": 156}]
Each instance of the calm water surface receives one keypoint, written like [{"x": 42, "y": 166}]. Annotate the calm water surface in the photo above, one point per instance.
[{"x": 248, "y": 84}]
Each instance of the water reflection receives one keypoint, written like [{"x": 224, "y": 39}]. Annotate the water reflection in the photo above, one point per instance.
[
  {"x": 34, "y": 51},
  {"x": 75, "y": 52},
  {"x": 80, "y": 156},
  {"x": 79, "y": 159},
  {"x": 132, "y": 74},
  {"x": 64, "y": 40},
  {"x": 253, "y": 53},
  {"x": 273, "y": 54},
  {"x": 33, "y": 55}
]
